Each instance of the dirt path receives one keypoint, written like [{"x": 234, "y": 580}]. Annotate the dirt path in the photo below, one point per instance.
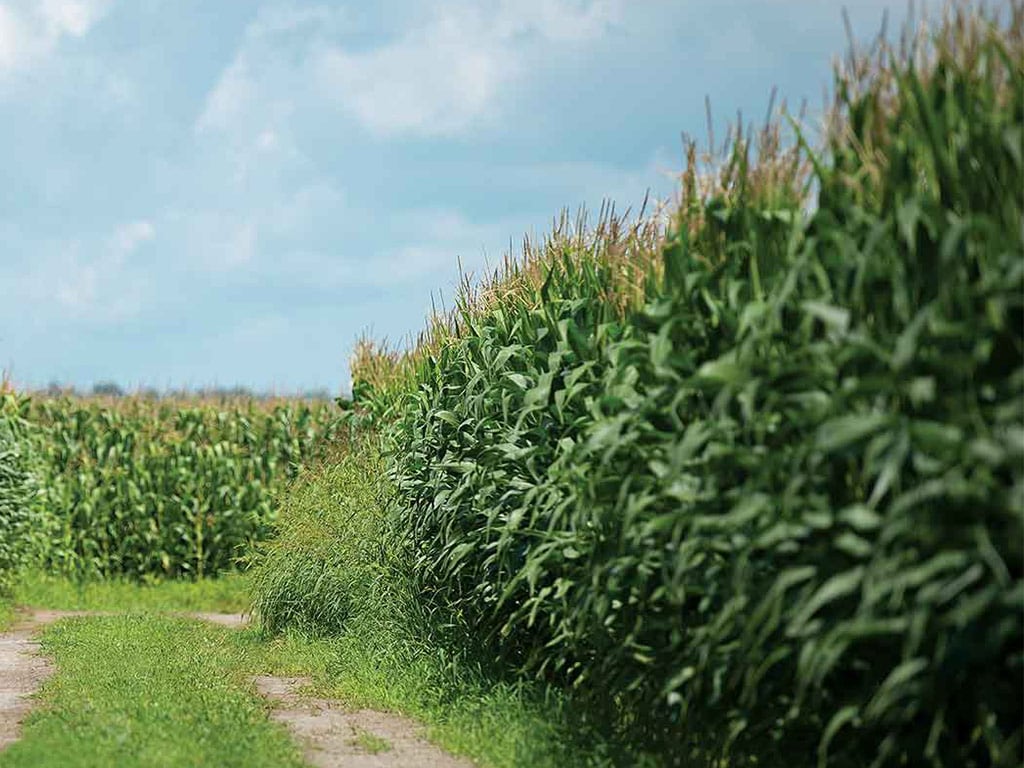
[
  {"x": 23, "y": 668},
  {"x": 333, "y": 737},
  {"x": 22, "y": 671}
]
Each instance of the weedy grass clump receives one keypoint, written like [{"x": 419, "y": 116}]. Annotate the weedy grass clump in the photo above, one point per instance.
[
  {"x": 138, "y": 487},
  {"x": 332, "y": 556},
  {"x": 758, "y": 480}
]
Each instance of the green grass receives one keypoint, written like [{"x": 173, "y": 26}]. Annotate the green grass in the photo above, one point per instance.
[
  {"x": 227, "y": 594},
  {"x": 148, "y": 691}
]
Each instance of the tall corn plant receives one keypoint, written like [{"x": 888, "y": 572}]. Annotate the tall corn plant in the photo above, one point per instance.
[{"x": 773, "y": 510}]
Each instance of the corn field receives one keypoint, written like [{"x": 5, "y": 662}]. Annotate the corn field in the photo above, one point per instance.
[
  {"x": 762, "y": 488},
  {"x": 139, "y": 487},
  {"x": 19, "y": 514}
]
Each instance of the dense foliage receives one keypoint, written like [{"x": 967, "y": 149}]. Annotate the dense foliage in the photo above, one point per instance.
[
  {"x": 19, "y": 508},
  {"x": 139, "y": 487},
  {"x": 773, "y": 507}
]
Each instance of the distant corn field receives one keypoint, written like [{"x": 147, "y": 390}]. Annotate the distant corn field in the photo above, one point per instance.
[{"x": 137, "y": 486}]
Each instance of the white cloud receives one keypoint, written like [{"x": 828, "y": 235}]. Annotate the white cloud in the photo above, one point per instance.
[
  {"x": 434, "y": 80},
  {"x": 215, "y": 241},
  {"x": 92, "y": 278},
  {"x": 128, "y": 237},
  {"x": 267, "y": 140},
  {"x": 12, "y": 39},
  {"x": 267, "y": 72},
  {"x": 446, "y": 75},
  {"x": 245, "y": 124},
  {"x": 229, "y": 98},
  {"x": 412, "y": 263},
  {"x": 311, "y": 208},
  {"x": 71, "y": 17},
  {"x": 565, "y": 21},
  {"x": 426, "y": 246},
  {"x": 96, "y": 286},
  {"x": 440, "y": 75},
  {"x": 274, "y": 19},
  {"x": 31, "y": 31},
  {"x": 239, "y": 246},
  {"x": 591, "y": 183},
  {"x": 77, "y": 286}
]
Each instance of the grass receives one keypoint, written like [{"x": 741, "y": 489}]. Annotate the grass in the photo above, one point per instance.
[{"x": 144, "y": 690}]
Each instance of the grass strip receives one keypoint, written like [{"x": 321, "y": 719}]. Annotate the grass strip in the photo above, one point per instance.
[
  {"x": 226, "y": 594},
  {"x": 332, "y": 589}
]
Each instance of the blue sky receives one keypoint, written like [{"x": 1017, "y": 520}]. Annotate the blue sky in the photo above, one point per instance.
[{"x": 216, "y": 193}]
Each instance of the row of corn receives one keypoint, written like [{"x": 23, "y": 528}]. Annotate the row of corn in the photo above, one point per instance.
[{"x": 139, "y": 487}]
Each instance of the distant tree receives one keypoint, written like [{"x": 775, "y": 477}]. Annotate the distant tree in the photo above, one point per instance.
[{"x": 107, "y": 388}]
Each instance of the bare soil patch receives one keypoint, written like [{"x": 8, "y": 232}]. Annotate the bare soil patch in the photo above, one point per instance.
[
  {"x": 22, "y": 671},
  {"x": 335, "y": 737}
]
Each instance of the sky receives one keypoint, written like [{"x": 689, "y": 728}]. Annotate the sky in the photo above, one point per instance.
[{"x": 229, "y": 193}]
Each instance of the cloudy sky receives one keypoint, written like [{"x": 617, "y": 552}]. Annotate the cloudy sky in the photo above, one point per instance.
[{"x": 217, "y": 193}]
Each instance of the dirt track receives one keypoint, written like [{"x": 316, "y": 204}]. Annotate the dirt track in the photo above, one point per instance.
[
  {"x": 22, "y": 671},
  {"x": 330, "y": 735},
  {"x": 333, "y": 737},
  {"x": 23, "y": 668}
]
